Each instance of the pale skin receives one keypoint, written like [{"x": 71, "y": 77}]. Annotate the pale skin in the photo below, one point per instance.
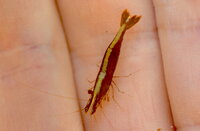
[{"x": 36, "y": 65}]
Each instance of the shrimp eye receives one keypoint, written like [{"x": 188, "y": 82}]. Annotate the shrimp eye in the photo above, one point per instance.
[{"x": 90, "y": 92}]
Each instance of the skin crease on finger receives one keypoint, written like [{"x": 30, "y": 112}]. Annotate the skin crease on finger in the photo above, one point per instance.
[
  {"x": 33, "y": 54},
  {"x": 178, "y": 24},
  {"x": 144, "y": 106}
]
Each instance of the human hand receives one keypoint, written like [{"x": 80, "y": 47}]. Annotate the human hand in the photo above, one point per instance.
[{"x": 37, "y": 78}]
